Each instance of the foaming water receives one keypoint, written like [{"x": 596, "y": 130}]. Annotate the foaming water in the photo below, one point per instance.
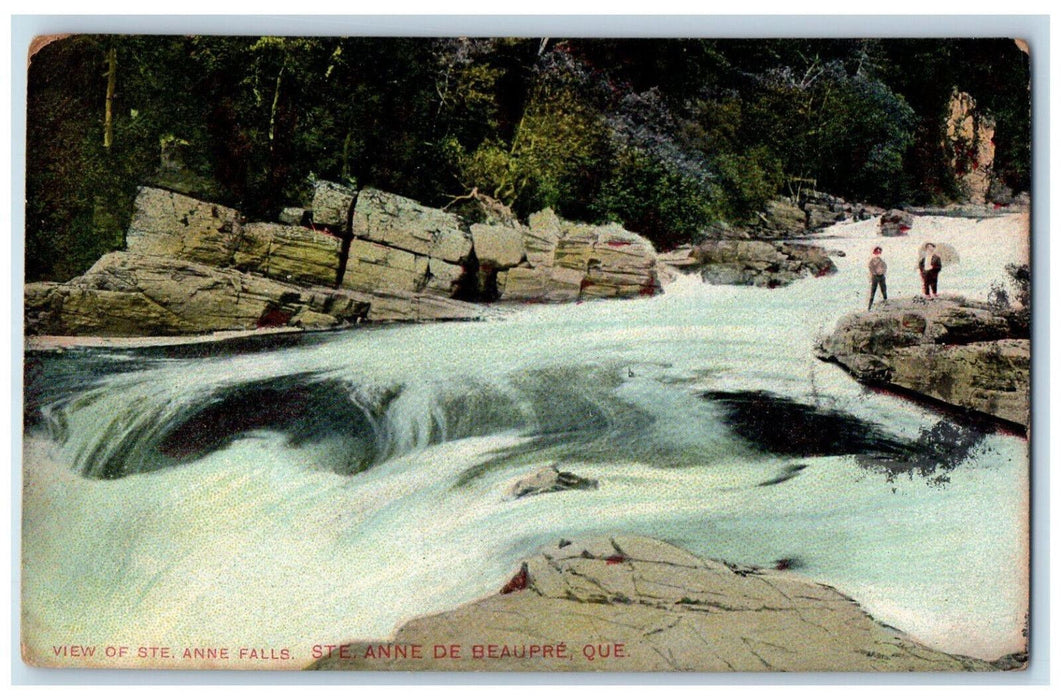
[{"x": 326, "y": 492}]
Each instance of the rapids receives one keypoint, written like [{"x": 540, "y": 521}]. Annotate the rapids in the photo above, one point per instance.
[{"x": 331, "y": 490}]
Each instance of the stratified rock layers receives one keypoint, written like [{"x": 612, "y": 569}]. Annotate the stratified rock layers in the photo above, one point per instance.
[
  {"x": 196, "y": 267},
  {"x": 967, "y": 354}
]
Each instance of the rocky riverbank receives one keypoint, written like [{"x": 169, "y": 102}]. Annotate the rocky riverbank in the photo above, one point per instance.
[
  {"x": 968, "y": 354},
  {"x": 193, "y": 267},
  {"x": 628, "y": 603}
]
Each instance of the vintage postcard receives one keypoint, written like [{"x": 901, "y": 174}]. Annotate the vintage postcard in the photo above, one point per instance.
[{"x": 526, "y": 354}]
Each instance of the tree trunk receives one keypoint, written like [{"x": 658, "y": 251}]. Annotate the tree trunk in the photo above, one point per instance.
[
  {"x": 276, "y": 102},
  {"x": 108, "y": 114}
]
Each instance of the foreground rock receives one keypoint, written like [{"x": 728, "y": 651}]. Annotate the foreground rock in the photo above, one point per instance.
[
  {"x": 965, "y": 353},
  {"x": 631, "y": 603}
]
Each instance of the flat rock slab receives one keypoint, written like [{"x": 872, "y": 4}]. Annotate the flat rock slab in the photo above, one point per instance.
[
  {"x": 288, "y": 253},
  {"x": 629, "y": 603},
  {"x": 126, "y": 294}
]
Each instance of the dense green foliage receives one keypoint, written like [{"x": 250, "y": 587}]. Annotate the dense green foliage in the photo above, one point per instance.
[{"x": 664, "y": 136}]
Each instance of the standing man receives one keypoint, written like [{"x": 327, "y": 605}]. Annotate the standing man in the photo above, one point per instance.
[
  {"x": 877, "y": 269},
  {"x": 929, "y": 264}
]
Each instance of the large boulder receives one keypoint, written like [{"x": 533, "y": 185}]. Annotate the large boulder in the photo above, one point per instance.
[
  {"x": 288, "y": 253},
  {"x": 374, "y": 267},
  {"x": 628, "y": 603},
  {"x": 950, "y": 349},
  {"x": 783, "y": 218},
  {"x": 540, "y": 236},
  {"x": 895, "y": 222},
  {"x": 399, "y": 222},
  {"x": 586, "y": 262},
  {"x": 498, "y": 247},
  {"x": 173, "y": 225},
  {"x": 331, "y": 205}
]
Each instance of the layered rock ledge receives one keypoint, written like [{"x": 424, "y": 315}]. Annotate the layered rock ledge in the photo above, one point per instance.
[
  {"x": 629, "y": 603},
  {"x": 968, "y": 354},
  {"x": 194, "y": 267}
]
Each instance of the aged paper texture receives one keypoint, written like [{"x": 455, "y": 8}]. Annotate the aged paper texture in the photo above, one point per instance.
[{"x": 510, "y": 354}]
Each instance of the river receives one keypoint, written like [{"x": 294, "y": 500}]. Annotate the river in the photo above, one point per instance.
[{"x": 333, "y": 488}]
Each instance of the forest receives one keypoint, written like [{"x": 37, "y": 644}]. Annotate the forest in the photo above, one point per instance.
[{"x": 666, "y": 137}]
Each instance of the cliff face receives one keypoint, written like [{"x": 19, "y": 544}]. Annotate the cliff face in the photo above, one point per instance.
[
  {"x": 195, "y": 267},
  {"x": 970, "y": 142},
  {"x": 967, "y": 354},
  {"x": 629, "y": 603}
]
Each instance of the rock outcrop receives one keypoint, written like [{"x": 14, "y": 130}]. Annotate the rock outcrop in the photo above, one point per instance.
[
  {"x": 968, "y": 354},
  {"x": 895, "y": 222},
  {"x": 129, "y": 294},
  {"x": 970, "y": 141},
  {"x": 824, "y": 210},
  {"x": 549, "y": 480},
  {"x": 759, "y": 263},
  {"x": 391, "y": 257},
  {"x": 171, "y": 225},
  {"x": 630, "y": 603},
  {"x": 399, "y": 222},
  {"x": 566, "y": 261}
]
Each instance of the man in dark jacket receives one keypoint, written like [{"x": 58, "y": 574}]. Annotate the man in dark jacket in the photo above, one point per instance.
[
  {"x": 929, "y": 264},
  {"x": 877, "y": 269}
]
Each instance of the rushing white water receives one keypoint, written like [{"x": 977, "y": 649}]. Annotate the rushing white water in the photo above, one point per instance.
[{"x": 330, "y": 491}]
